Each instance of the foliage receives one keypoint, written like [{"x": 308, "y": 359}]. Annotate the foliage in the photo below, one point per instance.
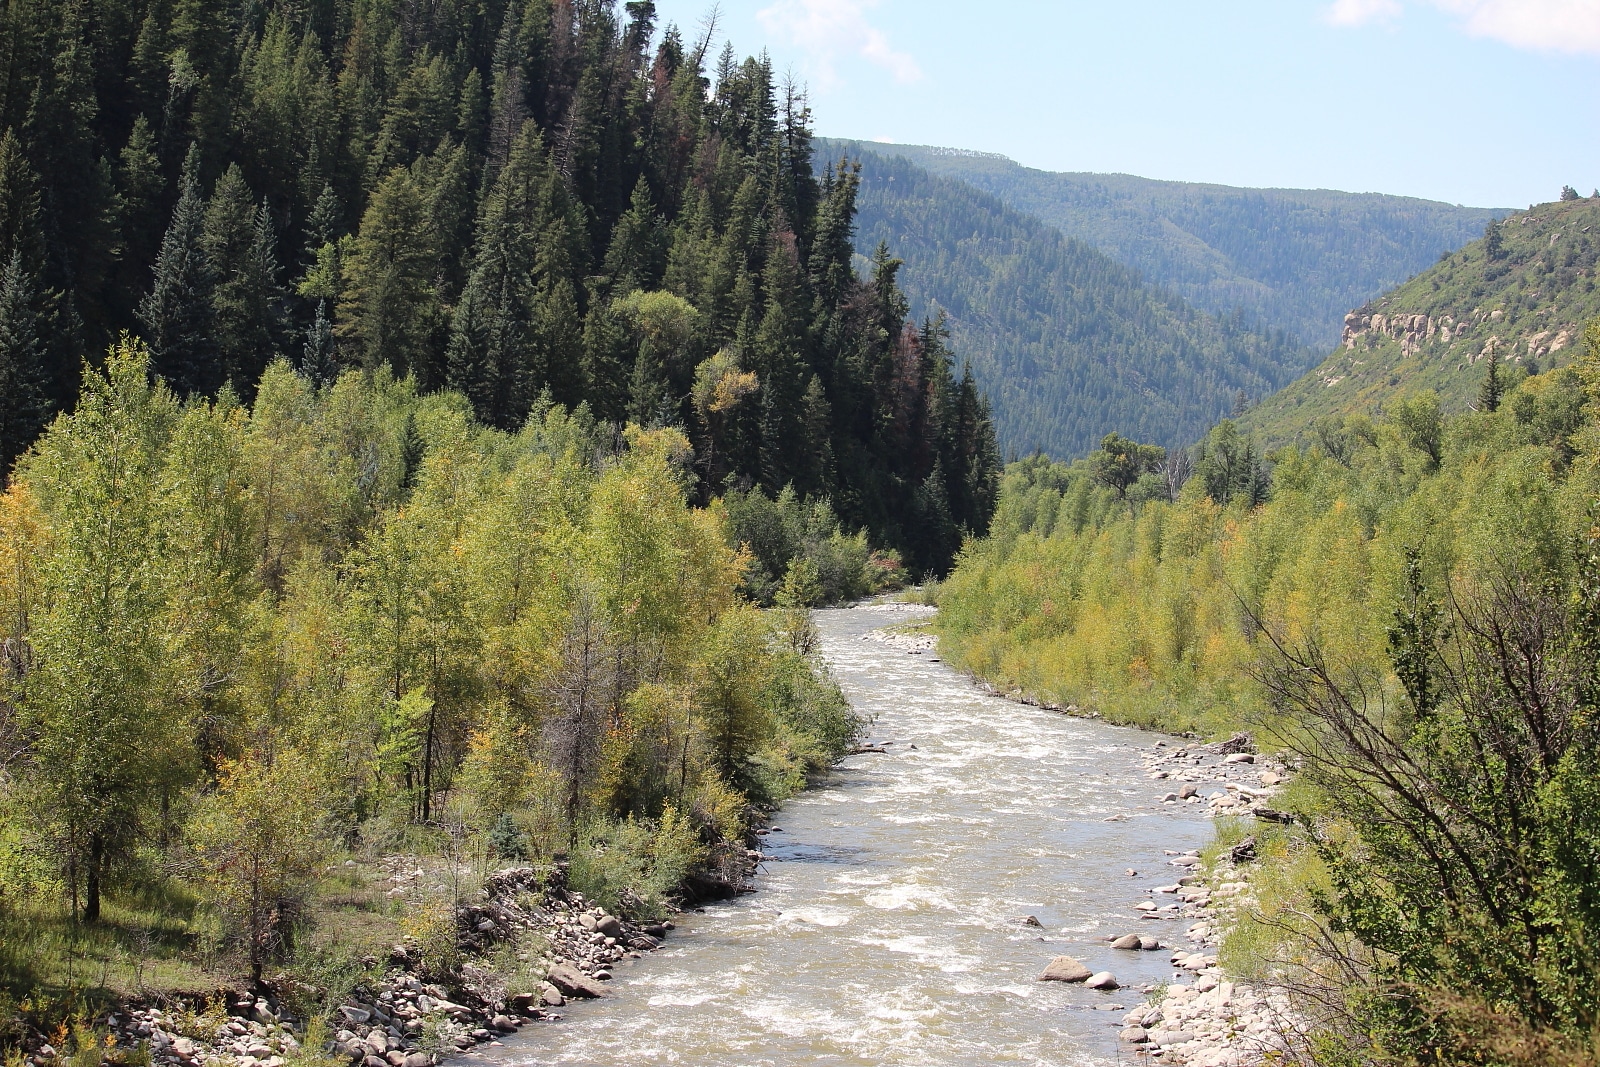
[
  {"x": 348, "y": 620},
  {"x": 534, "y": 199}
]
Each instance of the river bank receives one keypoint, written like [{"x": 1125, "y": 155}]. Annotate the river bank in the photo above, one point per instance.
[{"x": 906, "y": 909}]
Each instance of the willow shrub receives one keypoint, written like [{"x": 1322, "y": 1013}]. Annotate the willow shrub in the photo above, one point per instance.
[{"x": 1141, "y": 609}]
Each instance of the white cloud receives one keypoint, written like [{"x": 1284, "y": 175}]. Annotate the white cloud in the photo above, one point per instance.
[
  {"x": 1538, "y": 25},
  {"x": 1543, "y": 25},
  {"x": 828, "y": 28},
  {"x": 1361, "y": 12}
]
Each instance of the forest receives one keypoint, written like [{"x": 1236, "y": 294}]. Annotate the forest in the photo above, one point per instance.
[
  {"x": 1069, "y": 343},
  {"x": 1406, "y": 608},
  {"x": 1294, "y": 260},
  {"x": 530, "y": 199},
  {"x": 424, "y": 429}
]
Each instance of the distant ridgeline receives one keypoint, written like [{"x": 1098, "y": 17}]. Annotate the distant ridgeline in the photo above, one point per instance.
[
  {"x": 513, "y": 201},
  {"x": 1068, "y": 343},
  {"x": 1294, "y": 259},
  {"x": 1522, "y": 293}
]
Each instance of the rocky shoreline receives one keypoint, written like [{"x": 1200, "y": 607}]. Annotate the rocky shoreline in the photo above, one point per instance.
[
  {"x": 1202, "y": 1018},
  {"x": 408, "y": 1017}
]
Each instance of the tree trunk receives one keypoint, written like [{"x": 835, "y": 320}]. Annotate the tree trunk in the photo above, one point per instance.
[{"x": 91, "y": 901}]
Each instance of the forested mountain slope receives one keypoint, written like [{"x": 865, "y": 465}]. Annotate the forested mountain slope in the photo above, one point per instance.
[
  {"x": 509, "y": 199},
  {"x": 1521, "y": 295},
  {"x": 1296, "y": 259},
  {"x": 1068, "y": 343}
]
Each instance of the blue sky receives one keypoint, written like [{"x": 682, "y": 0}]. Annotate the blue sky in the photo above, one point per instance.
[{"x": 1482, "y": 102}]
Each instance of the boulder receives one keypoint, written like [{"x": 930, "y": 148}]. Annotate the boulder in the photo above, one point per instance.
[
  {"x": 522, "y": 1003},
  {"x": 353, "y": 1014},
  {"x": 378, "y": 1042},
  {"x": 1149, "y": 944},
  {"x": 1240, "y": 757},
  {"x": 1135, "y": 1035},
  {"x": 418, "y": 1059},
  {"x": 1127, "y": 941},
  {"x": 1104, "y": 980},
  {"x": 609, "y": 925},
  {"x": 588, "y": 922},
  {"x": 503, "y": 1024},
  {"x": 574, "y": 983},
  {"x": 1065, "y": 969},
  {"x": 1188, "y": 791},
  {"x": 550, "y": 996}
]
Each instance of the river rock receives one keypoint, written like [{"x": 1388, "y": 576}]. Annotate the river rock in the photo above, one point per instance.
[
  {"x": 573, "y": 982},
  {"x": 1127, "y": 941},
  {"x": 353, "y": 1014},
  {"x": 1135, "y": 1035},
  {"x": 418, "y": 1059},
  {"x": 1188, "y": 791},
  {"x": 503, "y": 1024},
  {"x": 378, "y": 1042},
  {"x": 588, "y": 922},
  {"x": 1149, "y": 944},
  {"x": 550, "y": 996},
  {"x": 1240, "y": 757},
  {"x": 1105, "y": 980},
  {"x": 1065, "y": 969}
]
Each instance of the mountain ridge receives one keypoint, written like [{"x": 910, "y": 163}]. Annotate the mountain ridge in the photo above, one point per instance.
[
  {"x": 1276, "y": 253},
  {"x": 1524, "y": 293},
  {"x": 1069, "y": 343}
]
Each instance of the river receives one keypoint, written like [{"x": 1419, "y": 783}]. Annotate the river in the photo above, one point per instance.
[{"x": 886, "y": 926}]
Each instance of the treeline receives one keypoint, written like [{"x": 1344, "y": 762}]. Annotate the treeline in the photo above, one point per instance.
[
  {"x": 1069, "y": 343},
  {"x": 350, "y": 619},
  {"x": 529, "y": 199},
  {"x": 1408, "y": 608}
]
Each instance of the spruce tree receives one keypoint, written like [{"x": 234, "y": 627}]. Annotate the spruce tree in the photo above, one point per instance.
[
  {"x": 1492, "y": 388},
  {"x": 178, "y": 315},
  {"x": 318, "y": 361},
  {"x": 241, "y": 250},
  {"x": 24, "y": 382}
]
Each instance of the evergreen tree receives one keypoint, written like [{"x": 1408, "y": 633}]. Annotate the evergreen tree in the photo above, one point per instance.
[
  {"x": 24, "y": 384},
  {"x": 388, "y": 312},
  {"x": 318, "y": 361},
  {"x": 1492, "y": 388},
  {"x": 178, "y": 315},
  {"x": 241, "y": 250}
]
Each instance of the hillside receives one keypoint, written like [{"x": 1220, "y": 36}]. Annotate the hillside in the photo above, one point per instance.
[
  {"x": 1296, "y": 259},
  {"x": 1068, "y": 343},
  {"x": 1528, "y": 301}
]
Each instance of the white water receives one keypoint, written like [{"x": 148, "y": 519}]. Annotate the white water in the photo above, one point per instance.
[{"x": 885, "y": 927}]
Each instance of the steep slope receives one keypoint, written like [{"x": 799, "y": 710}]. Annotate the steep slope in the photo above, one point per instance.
[
  {"x": 1525, "y": 292},
  {"x": 1296, "y": 259},
  {"x": 1068, "y": 343}
]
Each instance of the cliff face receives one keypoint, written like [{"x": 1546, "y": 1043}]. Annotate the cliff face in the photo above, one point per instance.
[{"x": 1524, "y": 293}]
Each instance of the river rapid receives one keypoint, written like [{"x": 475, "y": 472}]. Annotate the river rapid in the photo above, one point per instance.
[{"x": 885, "y": 929}]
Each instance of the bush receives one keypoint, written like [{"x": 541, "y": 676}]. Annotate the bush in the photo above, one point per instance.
[{"x": 631, "y": 866}]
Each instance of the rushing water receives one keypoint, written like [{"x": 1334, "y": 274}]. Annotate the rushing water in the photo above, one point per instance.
[{"x": 885, "y": 929}]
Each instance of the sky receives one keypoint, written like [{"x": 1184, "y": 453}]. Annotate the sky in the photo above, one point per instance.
[{"x": 1490, "y": 103}]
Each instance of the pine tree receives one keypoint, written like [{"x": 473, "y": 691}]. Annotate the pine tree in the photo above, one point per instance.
[
  {"x": 24, "y": 383},
  {"x": 1491, "y": 389},
  {"x": 241, "y": 250},
  {"x": 178, "y": 315},
  {"x": 388, "y": 312},
  {"x": 318, "y": 361}
]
